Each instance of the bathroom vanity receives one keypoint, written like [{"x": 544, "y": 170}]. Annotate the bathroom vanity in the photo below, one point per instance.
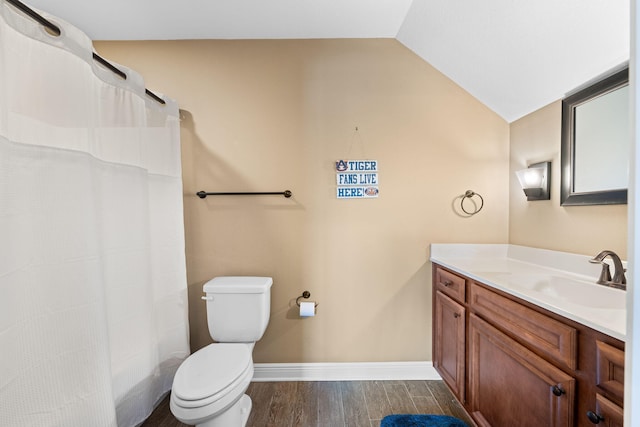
[{"x": 524, "y": 337}]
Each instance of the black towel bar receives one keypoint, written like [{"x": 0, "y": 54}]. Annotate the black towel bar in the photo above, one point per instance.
[{"x": 286, "y": 193}]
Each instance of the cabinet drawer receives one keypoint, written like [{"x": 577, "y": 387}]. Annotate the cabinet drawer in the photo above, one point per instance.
[
  {"x": 450, "y": 284},
  {"x": 610, "y": 369},
  {"x": 611, "y": 415},
  {"x": 549, "y": 337}
]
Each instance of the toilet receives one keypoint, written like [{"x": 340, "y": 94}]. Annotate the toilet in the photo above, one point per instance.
[{"x": 208, "y": 388}]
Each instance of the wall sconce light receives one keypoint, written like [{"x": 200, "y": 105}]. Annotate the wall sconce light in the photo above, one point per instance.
[{"x": 536, "y": 181}]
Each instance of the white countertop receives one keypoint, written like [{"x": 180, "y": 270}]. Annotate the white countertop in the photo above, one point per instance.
[{"x": 560, "y": 282}]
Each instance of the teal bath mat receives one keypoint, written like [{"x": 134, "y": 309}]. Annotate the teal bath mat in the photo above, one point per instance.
[{"x": 421, "y": 421}]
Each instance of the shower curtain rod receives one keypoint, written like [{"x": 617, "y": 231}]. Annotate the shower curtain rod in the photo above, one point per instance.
[{"x": 55, "y": 30}]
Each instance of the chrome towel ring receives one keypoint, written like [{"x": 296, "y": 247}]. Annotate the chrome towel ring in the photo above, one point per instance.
[{"x": 469, "y": 194}]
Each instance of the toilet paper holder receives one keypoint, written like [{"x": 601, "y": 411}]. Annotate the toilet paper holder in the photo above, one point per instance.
[{"x": 305, "y": 295}]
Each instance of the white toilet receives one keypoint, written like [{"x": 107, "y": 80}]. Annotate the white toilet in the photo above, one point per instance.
[{"x": 208, "y": 388}]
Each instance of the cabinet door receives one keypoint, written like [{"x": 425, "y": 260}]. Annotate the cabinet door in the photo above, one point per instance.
[
  {"x": 449, "y": 351},
  {"x": 511, "y": 386}
]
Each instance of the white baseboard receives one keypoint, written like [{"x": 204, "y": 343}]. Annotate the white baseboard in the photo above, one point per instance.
[{"x": 344, "y": 371}]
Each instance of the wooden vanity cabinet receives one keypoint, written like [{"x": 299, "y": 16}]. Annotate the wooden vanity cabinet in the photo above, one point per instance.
[{"x": 512, "y": 363}]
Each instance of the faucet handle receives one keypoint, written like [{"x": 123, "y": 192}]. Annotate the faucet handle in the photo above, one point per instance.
[{"x": 605, "y": 274}]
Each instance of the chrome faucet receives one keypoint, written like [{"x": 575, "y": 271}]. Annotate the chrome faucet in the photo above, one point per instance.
[{"x": 618, "y": 281}]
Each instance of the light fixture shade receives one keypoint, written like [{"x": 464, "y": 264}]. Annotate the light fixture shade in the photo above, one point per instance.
[
  {"x": 535, "y": 181},
  {"x": 531, "y": 178}
]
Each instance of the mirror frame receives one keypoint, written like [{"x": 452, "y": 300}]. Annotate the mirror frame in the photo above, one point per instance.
[{"x": 568, "y": 197}]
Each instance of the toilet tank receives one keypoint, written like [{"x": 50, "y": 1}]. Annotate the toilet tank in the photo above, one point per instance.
[{"x": 238, "y": 307}]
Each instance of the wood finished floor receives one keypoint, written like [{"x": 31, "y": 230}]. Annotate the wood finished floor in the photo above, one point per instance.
[{"x": 335, "y": 403}]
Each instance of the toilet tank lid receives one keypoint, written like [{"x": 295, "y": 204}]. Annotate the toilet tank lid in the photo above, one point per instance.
[{"x": 238, "y": 285}]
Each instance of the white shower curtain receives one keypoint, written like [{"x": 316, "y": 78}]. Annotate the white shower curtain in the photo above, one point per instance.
[{"x": 93, "y": 296}]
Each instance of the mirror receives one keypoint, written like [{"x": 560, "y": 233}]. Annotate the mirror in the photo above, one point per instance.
[{"x": 595, "y": 143}]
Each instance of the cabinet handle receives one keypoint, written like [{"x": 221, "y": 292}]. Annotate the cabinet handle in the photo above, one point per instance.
[
  {"x": 594, "y": 418},
  {"x": 447, "y": 283},
  {"x": 557, "y": 390},
  {"x": 456, "y": 315}
]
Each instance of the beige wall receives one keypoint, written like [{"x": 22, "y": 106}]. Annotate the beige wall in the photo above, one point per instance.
[
  {"x": 545, "y": 224},
  {"x": 274, "y": 115}
]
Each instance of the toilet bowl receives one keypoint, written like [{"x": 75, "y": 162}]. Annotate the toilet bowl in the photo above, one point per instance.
[{"x": 208, "y": 388}]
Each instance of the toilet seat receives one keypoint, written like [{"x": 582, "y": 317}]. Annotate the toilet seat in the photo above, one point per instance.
[{"x": 211, "y": 373}]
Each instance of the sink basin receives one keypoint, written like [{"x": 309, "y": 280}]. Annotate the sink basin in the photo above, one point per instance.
[{"x": 570, "y": 290}]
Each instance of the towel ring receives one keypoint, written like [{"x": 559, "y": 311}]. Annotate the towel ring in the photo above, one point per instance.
[
  {"x": 468, "y": 195},
  {"x": 305, "y": 295}
]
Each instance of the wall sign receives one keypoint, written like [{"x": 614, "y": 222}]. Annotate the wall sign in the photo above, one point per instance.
[{"x": 357, "y": 179}]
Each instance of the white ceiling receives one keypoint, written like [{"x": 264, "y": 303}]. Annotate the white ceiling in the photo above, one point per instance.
[{"x": 515, "y": 56}]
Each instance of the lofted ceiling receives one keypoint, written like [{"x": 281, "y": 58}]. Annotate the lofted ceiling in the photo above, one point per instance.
[{"x": 514, "y": 56}]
